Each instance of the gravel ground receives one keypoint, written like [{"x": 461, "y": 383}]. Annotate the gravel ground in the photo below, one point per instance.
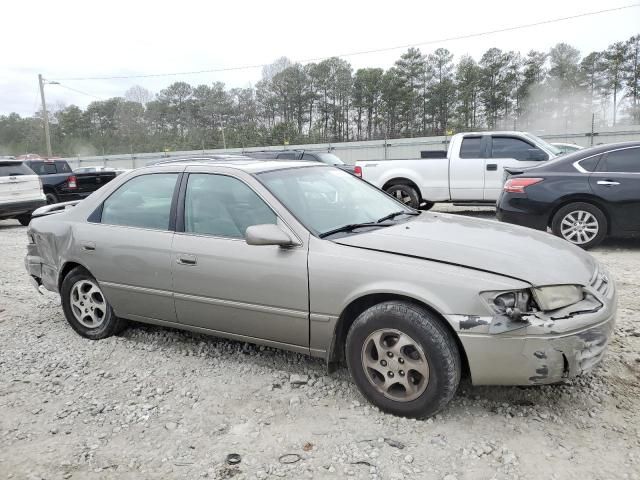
[{"x": 159, "y": 403}]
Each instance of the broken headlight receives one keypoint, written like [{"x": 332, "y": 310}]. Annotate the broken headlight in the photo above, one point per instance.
[
  {"x": 511, "y": 303},
  {"x": 557, "y": 296}
]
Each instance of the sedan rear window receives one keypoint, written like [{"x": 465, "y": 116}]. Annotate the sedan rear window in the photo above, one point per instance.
[
  {"x": 14, "y": 169},
  {"x": 143, "y": 201}
]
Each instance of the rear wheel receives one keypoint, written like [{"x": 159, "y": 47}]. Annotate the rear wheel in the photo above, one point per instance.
[
  {"x": 580, "y": 223},
  {"x": 427, "y": 205},
  {"x": 51, "y": 198},
  {"x": 403, "y": 359},
  {"x": 405, "y": 194},
  {"x": 24, "y": 219},
  {"x": 86, "y": 308}
]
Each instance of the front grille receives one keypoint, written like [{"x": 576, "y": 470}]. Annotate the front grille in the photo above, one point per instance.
[{"x": 600, "y": 281}]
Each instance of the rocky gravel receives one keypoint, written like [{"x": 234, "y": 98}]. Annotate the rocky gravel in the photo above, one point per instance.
[{"x": 157, "y": 403}]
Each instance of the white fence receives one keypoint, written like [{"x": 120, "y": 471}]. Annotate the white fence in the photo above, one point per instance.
[{"x": 350, "y": 152}]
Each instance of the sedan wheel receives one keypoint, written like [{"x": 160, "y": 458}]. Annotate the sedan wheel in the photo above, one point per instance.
[
  {"x": 580, "y": 223},
  {"x": 403, "y": 359},
  {"x": 395, "y": 365},
  {"x": 86, "y": 308}
]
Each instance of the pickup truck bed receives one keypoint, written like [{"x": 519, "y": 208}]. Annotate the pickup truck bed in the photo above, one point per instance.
[{"x": 61, "y": 184}]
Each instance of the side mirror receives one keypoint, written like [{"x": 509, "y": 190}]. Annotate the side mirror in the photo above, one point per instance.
[
  {"x": 537, "y": 155},
  {"x": 267, "y": 234}
]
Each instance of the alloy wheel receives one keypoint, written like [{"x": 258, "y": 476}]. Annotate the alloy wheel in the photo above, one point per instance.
[
  {"x": 579, "y": 227},
  {"x": 88, "y": 304},
  {"x": 395, "y": 365},
  {"x": 401, "y": 196}
]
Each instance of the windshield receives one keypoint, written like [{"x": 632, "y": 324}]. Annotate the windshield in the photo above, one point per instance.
[
  {"x": 545, "y": 144},
  {"x": 324, "y": 199},
  {"x": 329, "y": 159}
]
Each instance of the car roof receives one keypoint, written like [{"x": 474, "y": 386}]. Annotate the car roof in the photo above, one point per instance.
[{"x": 247, "y": 164}]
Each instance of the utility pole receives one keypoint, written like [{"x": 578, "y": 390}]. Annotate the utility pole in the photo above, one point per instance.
[
  {"x": 45, "y": 116},
  {"x": 224, "y": 142}
]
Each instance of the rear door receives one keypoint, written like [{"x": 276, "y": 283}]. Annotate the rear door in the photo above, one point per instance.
[
  {"x": 126, "y": 245},
  {"x": 508, "y": 151},
  {"x": 466, "y": 169},
  {"x": 18, "y": 183},
  {"x": 617, "y": 180}
]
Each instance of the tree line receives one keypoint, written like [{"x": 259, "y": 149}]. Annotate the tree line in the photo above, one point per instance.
[{"x": 420, "y": 95}]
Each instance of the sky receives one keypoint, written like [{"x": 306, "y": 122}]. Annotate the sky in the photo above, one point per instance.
[{"x": 68, "y": 39}]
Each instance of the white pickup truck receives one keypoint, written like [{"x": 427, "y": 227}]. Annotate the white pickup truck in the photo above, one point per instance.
[{"x": 469, "y": 173}]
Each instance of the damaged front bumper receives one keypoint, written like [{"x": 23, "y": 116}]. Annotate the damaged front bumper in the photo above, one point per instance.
[{"x": 542, "y": 348}]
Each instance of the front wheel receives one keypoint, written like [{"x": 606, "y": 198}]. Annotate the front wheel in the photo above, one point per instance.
[
  {"x": 580, "y": 223},
  {"x": 86, "y": 308},
  {"x": 405, "y": 194},
  {"x": 403, "y": 359}
]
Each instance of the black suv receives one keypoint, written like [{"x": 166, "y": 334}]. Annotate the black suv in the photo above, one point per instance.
[{"x": 324, "y": 157}]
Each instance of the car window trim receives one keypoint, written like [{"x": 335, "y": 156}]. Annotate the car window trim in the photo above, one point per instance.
[
  {"x": 96, "y": 215},
  {"x": 181, "y": 204},
  {"x": 581, "y": 169}
]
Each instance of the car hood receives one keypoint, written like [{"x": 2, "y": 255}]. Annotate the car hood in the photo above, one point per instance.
[{"x": 535, "y": 257}]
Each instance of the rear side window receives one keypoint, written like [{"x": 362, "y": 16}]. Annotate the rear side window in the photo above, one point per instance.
[
  {"x": 627, "y": 160},
  {"x": 470, "y": 147},
  {"x": 63, "y": 167},
  {"x": 14, "y": 169},
  {"x": 42, "y": 168},
  {"x": 509, "y": 147},
  {"x": 590, "y": 164},
  {"x": 143, "y": 201}
]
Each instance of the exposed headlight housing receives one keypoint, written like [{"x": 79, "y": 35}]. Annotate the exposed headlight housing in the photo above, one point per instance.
[
  {"x": 557, "y": 296},
  {"x": 512, "y": 303}
]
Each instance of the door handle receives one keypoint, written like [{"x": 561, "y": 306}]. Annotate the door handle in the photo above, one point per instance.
[
  {"x": 185, "y": 259},
  {"x": 492, "y": 167},
  {"x": 89, "y": 246},
  {"x": 608, "y": 183}
]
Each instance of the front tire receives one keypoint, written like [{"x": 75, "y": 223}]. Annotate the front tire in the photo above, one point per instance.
[
  {"x": 403, "y": 359},
  {"x": 86, "y": 308},
  {"x": 405, "y": 194},
  {"x": 580, "y": 223}
]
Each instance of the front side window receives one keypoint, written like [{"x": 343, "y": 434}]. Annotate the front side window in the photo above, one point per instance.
[
  {"x": 223, "y": 206},
  {"x": 471, "y": 147},
  {"x": 627, "y": 160},
  {"x": 143, "y": 201},
  {"x": 509, "y": 147}
]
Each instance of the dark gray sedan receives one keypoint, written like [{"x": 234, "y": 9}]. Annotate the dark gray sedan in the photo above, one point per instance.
[{"x": 308, "y": 258}]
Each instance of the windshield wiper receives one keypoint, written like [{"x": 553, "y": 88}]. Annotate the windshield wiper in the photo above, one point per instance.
[
  {"x": 352, "y": 226},
  {"x": 395, "y": 214}
]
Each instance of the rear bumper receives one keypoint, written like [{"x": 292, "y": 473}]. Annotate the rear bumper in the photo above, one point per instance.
[
  {"x": 521, "y": 211},
  {"x": 42, "y": 275},
  {"x": 550, "y": 351},
  {"x": 9, "y": 210}
]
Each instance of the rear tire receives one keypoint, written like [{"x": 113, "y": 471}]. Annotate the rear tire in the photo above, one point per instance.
[
  {"x": 24, "y": 219},
  {"x": 403, "y": 359},
  {"x": 426, "y": 206},
  {"x": 405, "y": 194},
  {"x": 86, "y": 308},
  {"x": 51, "y": 198},
  {"x": 580, "y": 223}
]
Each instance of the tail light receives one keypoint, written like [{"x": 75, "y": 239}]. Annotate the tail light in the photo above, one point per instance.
[
  {"x": 357, "y": 171},
  {"x": 517, "y": 185},
  {"x": 72, "y": 182}
]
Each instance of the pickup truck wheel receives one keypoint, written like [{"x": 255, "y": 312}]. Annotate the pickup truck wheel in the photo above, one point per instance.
[
  {"x": 405, "y": 194},
  {"x": 51, "y": 198},
  {"x": 403, "y": 359},
  {"x": 580, "y": 223},
  {"x": 24, "y": 219},
  {"x": 427, "y": 205},
  {"x": 86, "y": 308}
]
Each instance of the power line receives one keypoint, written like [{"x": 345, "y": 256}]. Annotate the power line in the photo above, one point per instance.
[
  {"x": 366, "y": 52},
  {"x": 77, "y": 91}
]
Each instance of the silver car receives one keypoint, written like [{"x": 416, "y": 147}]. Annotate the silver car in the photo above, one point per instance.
[{"x": 308, "y": 258}]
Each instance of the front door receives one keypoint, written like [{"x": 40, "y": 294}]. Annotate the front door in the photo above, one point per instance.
[
  {"x": 507, "y": 151},
  {"x": 126, "y": 245},
  {"x": 223, "y": 284},
  {"x": 617, "y": 180}
]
